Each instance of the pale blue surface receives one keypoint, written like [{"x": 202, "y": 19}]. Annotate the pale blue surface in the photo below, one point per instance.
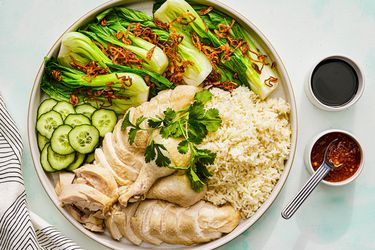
[{"x": 301, "y": 32}]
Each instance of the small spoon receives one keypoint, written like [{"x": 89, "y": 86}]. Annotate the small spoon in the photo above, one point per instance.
[{"x": 311, "y": 184}]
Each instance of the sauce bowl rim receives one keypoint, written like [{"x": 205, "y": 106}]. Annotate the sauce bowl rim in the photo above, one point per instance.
[
  {"x": 361, "y": 84},
  {"x": 310, "y": 145}
]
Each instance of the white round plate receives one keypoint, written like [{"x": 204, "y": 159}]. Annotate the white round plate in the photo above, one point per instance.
[{"x": 284, "y": 90}]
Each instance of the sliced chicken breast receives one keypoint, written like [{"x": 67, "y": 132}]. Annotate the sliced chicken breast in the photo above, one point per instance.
[
  {"x": 169, "y": 225},
  {"x": 121, "y": 169},
  {"x": 122, "y": 217},
  {"x": 157, "y": 221},
  {"x": 85, "y": 197},
  {"x": 140, "y": 223},
  {"x": 113, "y": 228},
  {"x": 62, "y": 179},
  {"x": 98, "y": 177},
  {"x": 134, "y": 159},
  {"x": 101, "y": 160},
  {"x": 88, "y": 220},
  {"x": 188, "y": 224}
]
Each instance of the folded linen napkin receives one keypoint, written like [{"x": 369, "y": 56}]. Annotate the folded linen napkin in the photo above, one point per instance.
[{"x": 19, "y": 228}]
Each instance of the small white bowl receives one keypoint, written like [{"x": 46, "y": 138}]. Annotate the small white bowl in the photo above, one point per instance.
[
  {"x": 307, "y": 157},
  {"x": 361, "y": 85}
]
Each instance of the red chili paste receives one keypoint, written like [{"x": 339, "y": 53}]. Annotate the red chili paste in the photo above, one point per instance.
[{"x": 346, "y": 156}]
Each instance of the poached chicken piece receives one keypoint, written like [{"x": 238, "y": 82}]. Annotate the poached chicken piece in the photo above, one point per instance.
[
  {"x": 111, "y": 190},
  {"x": 156, "y": 222},
  {"x": 179, "y": 98},
  {"x": 175, "y": 189}
]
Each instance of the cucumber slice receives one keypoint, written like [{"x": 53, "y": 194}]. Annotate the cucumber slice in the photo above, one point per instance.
[
  {"x": 42, "y": 141},
  {"x": 84, "y": 138},
  {"x": 44, "y": 161},
  {"x": 90, "y": 157},
  {"x": 79, "y": 159},
  {"x": 45, "y": 106},
  {"x": 104, "y": 120},
  {"x": 60, "y": 142},
  {"x": 77, "y": 119},
  {"x": 64, "y": 108},
  {"x": 48, "y": 122},
  {"x": 58, "y": 161},
  {"x": 85, "y": 109}
]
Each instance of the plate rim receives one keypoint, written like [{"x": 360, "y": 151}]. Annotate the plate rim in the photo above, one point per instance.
[{"x": 245, "y": 224}]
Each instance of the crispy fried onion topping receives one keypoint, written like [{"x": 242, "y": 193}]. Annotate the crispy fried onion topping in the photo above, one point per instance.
[
  {"x": 56, "y": 74},
  {"x": 213, "y": 80},
  {"x": 91, "y": 69},
  {"x": 122, "y": 56},
  {"x": 271, "y": 81},
  {"x": 205, "y": 11},
  {"x": 177, "y": 66}
]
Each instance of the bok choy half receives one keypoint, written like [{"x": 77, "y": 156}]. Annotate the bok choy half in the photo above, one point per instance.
[
  {"x": 117, "y": 91},
  {"x": 261, "y": 79},
  {"x": 78, "y": 48},
  {"x": 197, "y": 67},
  {"x": 149, "y": 55}
]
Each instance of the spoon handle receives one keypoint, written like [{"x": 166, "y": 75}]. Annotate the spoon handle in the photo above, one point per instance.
[{"x": 306, "y": 190}]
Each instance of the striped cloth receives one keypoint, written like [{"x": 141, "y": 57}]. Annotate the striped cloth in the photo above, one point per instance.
[{"x": 19, "y": 228}]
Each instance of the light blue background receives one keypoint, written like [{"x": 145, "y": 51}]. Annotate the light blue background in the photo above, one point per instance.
[{"x": 302, "y": 32}]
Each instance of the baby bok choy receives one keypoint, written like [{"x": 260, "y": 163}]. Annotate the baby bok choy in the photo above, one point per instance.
[
  {"x": 186, "y": 63},
  {"x": 126, "y": 49},
  {"x": 80, "y": 52},
  {"x": 232, "y": 57},
  {"x": 264, "y": 70},
  {"x": 77, "y": 48},
  {"x": 117, "y": 91}
]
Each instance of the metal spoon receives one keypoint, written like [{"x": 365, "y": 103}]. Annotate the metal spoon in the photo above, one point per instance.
[{"x": 311, "y": 184}]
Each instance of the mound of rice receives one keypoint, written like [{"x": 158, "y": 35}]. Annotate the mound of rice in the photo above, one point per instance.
[{"x": 252, "y": 146}]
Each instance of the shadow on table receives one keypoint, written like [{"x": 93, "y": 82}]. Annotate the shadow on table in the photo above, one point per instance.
[{"x": 332, "y": 214}]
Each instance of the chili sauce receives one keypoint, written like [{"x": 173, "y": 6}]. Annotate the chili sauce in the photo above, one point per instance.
[{"x": 346, "y": 155}]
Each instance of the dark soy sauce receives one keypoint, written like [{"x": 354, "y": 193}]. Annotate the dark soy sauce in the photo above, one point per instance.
[{"x": 334, "y": 82}]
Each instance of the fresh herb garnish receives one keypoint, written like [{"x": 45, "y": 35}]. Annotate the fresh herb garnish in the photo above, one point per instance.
[
  {"x": 134, "y": 127},
  {"x": 155, "y": 150},
  {"x": 192, "y": 124},
  {"x": 198, "y": 172}
]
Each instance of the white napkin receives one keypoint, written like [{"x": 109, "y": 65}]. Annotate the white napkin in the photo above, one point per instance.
[{"x": 19, "y": 228}]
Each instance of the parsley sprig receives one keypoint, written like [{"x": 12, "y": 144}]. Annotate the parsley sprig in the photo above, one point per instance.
[
  {"x": 192, "y": 125},
  {"x": 134, "y": 128},
  {"x": 155, "y": 150}
]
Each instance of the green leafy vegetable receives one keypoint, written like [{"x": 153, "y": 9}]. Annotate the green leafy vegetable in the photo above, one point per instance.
[
  {"x": 252, "y": 68},
  {"x": 199, "y": 67},
  {"x": 151, "y": 57},
  {"x": 262, "y": 77},
  {"x": 117, "y": 91},
  {"x": 183, "y": 147},
  {"x": 134, "y": 128},
  {"x": 198, "y": 172},
  {"x": 155, "y": 150},
  {"x": 78, "y": 48},
  {"x": 158, "y": 82},
  {"x": 171, "y": 10},
  {"x": 203, "y": 96}
]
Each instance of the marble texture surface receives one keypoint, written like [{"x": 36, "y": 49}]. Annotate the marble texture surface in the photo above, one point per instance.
[{"x": 302, "y": 32}]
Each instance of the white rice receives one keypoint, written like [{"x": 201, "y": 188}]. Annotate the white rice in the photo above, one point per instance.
[{"x": 252, "y": 146}]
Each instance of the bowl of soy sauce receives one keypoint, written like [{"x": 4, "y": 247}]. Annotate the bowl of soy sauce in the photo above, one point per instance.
[{"x": 335, "y": 83}]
